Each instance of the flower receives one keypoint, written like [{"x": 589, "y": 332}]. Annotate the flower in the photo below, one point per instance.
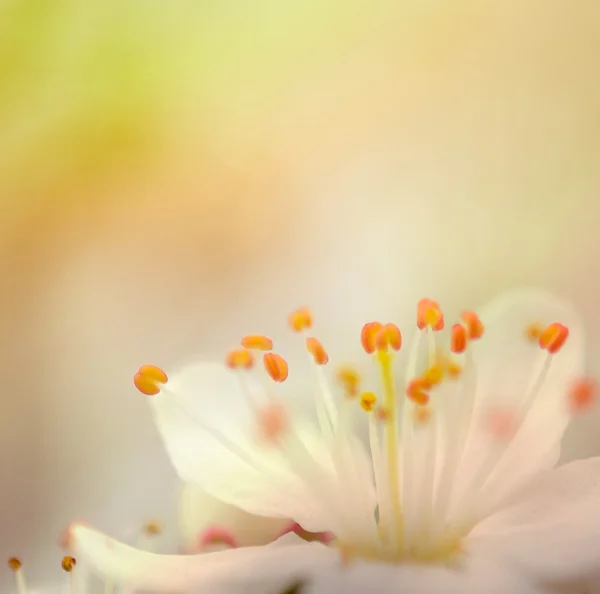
[{"x": 455, "y": 490}]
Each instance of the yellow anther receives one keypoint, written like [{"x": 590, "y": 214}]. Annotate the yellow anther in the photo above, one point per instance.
[
  {"x": 239, "y": 359},
  {"x": 349, "y": 379},
  {"x": 148, "y": 379},
  {"x": 388, "y": 336},
  {"x": 429, "y": 314},
  {"x": 432, "y": 377},
  {"x": 533, "y": 331},
  {"x": 454, "y": 370},
  {"x": 276, "y": 366},
  {"x": 368, "y": 335},
  {"x": 300, "y": 319},
  {"x": 315, "y": 348},
  {"x": 474, "y": 326},
  {"x": 257, "y": 342},
  {"x": 458, "y": 339},
  {"x": 15, "y": 563},
  {"x": 416, "y": 391},
  {"x": 152, "y": 528},
  {"x": 554, "y": 337},
  {"x": 422, "y": 415},
  {"x": 368, "y": 401},
  {"x": 68, "y": 563}
]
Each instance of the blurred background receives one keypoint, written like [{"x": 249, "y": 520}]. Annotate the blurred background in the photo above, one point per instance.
[{"x": 176, "y": 174}]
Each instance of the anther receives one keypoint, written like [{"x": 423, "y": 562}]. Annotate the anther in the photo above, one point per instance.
[
  {"x": 582, "y": 395},
  {"x": 257, "y": 342},
  {"x": 458, "y": 339},
  {"x": 429, "y": 314},
  {"x": 239, "y": 359},
  {"x": 388, "y": 336},
  {"x": 533, "y": 331},
  {"x": 68, "y": 563},
  {"x": 148, "y": 379},
  {"x": 454, "y": 370},
  {"x": 553, "y": 337},
  {"x": 152, "y": 528},
  {"x": 416, "y": 391},
  {"x": 349, "y": 380},
  {"x": 432, "y": 377},
  {"x": 300, "y": 319},
  {"x": 367, "y": 336},
  {"x": 315, "y": 348},
  {"x": 368, "y": 401},
  {"x": 474, "y": 326},
  {"x": 276, "y": 366},
  {"x": 15, "y": 563},
  {"x": 422, "y": 415}
]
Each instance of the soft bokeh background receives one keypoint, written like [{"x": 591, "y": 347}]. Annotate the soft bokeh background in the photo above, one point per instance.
[{"x": 174, "y": 174}]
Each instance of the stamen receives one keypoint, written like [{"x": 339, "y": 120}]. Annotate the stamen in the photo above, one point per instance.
[
  {"x": 149, "y": 379},
  {"x": 458, "y": 339},
  {"x": 315, "y": 348},
  {"x": 474, "y": 326},
  {"x": 368, "y": 401},
  {"x": 239, "y": 359},
  {"x": 15, "y": 564},
  {"x": 582, "y": 395},
  {"x": 432, "y": 377},
  {"x": 533, "y": 331},
  {"x": 349, "y": 379},
  {"x": 554, "y": 337},
  {"x": 388, "y": 336},
  {"x": 416, "y": 391},
  {"x": 429, "y": 315},
  {"x": 301, "y": 319},
  {"x": 152, "y": 528},
  {"x": 276, "y": 366},
  {"x": 257, "y": 342},
  {"x": 68, "y": 563},
  {"x": 367, "y": 336}
]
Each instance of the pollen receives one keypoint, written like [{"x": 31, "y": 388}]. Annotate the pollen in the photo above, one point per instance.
[
  {"x": 416, "y": 391},
  {"x": 239, "y": 359},
  {"x": 68, "y": 563},
  {"x": 300, "y": 320},
  {"x": 148, "y": 379},
  {"x": 276, "y": 366},
  {"x": 152, "y": 528},
  {"x": 430, "y": 315},
  {"x": 15, "y": 563},
  {"x": 368, "y": 401},
  {"x": 454, "y": 370},
  {"x": 349, "y": 379},
  {"x": 432, "y": 377},
  {"x": 368, "y": 335},
  {"x": 533, "y": 331},
  {"x": 474, "y": 326},
  {"x": 582, "y": 395},
  {"x": 553, "y": 337},
  {"x": 422, "y": 415},
  {"x": 315, "y": 348},
  {"x": 458, "y": 339},
  {"x": 257, "y": 342},
  {"x": 388, "y": 336}
]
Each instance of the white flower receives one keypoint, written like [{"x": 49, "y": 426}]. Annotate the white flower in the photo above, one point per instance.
[{"x": 454, "y": 492}]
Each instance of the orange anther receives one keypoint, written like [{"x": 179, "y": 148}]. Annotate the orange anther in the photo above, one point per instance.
[
  {"x": 148, "y": 379},
  {"x": 416, "y": 391},
  {"x": 15, "y": 563},
  {"x": 388, "y": 335},
  {"x": 315, "y": 348},
  {"x": 474, "y": 326},
  {"x": 553, "y": 337},
  {"x": 258, "y": 342},
  {"x": 432, "y": 377},
  {"x": 349, "y": 380},
  {"x": 300, "y": 319},
  {"x": 582, "y": 395},
  {"x": 429, "y": 314},
  {"x": 458, "y": 339},
  {"x": 533, "y": 331},
  {"x": 239, "y": 359},
  {"x": 272, "y": 423},
  {"x": 368, "y": 401},
  {"x": 368, "y": 335},
  {"x": 68, "y": 563},
  {"x": 276, "y": 367}
]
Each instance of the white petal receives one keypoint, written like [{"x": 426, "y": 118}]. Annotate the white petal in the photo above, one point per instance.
[
  {"x": 477, "y": 574},
  {"x": 553, "y": 529},
  {"x": 200, "y": 511},
  {"x": 247, "y": 570},
  {"x": 506, "y": 362}
]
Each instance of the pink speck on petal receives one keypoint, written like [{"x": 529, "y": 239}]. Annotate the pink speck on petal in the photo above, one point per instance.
[
  {"x": 502, "y": 423},
  {"x": 272, "y": 423}
]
